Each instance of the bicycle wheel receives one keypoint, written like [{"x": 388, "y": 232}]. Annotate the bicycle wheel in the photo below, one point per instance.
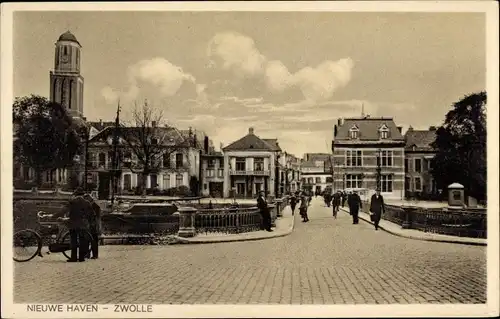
[
  {"x": 67, "y": 240},
  {"x": 27, "y": 244}
]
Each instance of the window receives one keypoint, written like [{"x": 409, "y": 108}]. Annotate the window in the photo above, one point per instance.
[
  {"x": 166, "y": 160},
  {"x": 154, "y": 141},
  {"x": 329, "y": 179},
  {"x": 406, "y": 165},
  {"x": 240, "y": 188},
  {"x": 384, "y": 134},
  {"x": 210, "y": 173},
  {"x": 318, "y": 180},
  {"x": 127, "y": 182},
  {"x": 386, "y": 183},
  {"x": 221, "y": 172},
  {"x": 65, "y": 50},
  {"x": 430, "y": 164},
  {"x": 178, "y": 160},
  {"x": 385, "y": 158},
  {"x": 210, "y": 163},
  {"x": 353, "y": 132},
  {"x": 102, "y": 160},
  {"x": 166, "y": 181},
  {"x": 179, "y": 179},
  {"x": 354, "y": 158},
  {"x": 418, "y": 165},
  {"x": 310, "y": 180},
  {"x": 418, "y": 184},
  {"x": 240, "y": 164},
  {"x": 258, "y": 164},
  {"x": 407, "y": 183},
  {"x": 353, "y": 181}
]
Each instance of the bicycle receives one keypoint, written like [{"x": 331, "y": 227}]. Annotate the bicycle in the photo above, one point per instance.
[{"x": 28, "y": 243}]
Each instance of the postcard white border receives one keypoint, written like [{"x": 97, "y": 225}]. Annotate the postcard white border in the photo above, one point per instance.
[{"x": 238, "y": 311}]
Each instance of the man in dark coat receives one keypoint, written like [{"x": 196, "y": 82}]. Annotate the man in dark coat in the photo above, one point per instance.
[
  {"x": 80, "y": 211},
  {"x": 264, "y": 211},
  {"x": 377, "y": 207},
  {"x": 336, "y": 203},
  {"x": 344, "y": 198},
  {"x": 293, "y": 203},
  {"x": 95, "y": 226},
  {"x": 355, "y": 204}
]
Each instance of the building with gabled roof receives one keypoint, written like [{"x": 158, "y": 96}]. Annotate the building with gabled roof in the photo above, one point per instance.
[
  {"x": 250, "y": 166},
  {"x": 361, "y": 145},
  {"x": 176, "y": 159},
  {"x": 419, "y": 153},
  {"x": 316, "y": 172}
]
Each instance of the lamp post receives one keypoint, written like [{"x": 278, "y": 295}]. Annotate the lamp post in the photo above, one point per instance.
[{"x": 379, "y": 168}]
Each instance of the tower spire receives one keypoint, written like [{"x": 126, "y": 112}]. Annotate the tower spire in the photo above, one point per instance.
[{"x": 362, "y": 109}]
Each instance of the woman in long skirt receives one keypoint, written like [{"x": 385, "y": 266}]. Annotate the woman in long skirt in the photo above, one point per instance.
[{"x": 303, "y": 208}]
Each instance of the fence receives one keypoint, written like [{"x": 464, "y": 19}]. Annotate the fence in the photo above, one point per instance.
[
  {"x": 461, "y": 222},
  {"x": 232, "y": 220}
]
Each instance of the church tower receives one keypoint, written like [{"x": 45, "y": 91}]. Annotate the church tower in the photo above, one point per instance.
[{"x": 66, "y": 83}]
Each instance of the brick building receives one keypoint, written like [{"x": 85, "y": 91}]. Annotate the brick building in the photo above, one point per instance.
[
  {"x": 357, "y": 145},
  {"x": 418, "y": 162}
]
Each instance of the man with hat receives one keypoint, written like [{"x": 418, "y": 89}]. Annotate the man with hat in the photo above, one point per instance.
[
  {"x": 264, "y": 211},
  {"x": 79, "y": 216},
  {"x": 354, "y": 202},
  {"x": 95, "y": 225}
]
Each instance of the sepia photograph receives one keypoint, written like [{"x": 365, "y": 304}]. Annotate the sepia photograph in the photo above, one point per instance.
[{"x": 212, "y": 158}]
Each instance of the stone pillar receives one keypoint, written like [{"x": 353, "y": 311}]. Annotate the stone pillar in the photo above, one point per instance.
[
  {"x": 279, "y": 207},
  {"x": 186, "y": 222},
  {"x": 272, "y": 210},
  {"x": 409, "y": 216}
]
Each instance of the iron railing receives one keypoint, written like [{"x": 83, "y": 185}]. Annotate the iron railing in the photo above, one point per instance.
[{"x": 232, "y": 220}]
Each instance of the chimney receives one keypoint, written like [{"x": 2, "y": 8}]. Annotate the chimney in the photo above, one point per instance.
[
  {"x": 400, "y": 129},
  {"x": 153, "y": 123},
  {"x": 432, "y": 128},
  {"x": 339, "y": 122},
  {"x": 205, "y": 144},
  {"x": 100, "y": 122},
  {"x": 250, "y": 130},
  {"x": 334, "y": 131},
  {"x": 410, "y": 129}
]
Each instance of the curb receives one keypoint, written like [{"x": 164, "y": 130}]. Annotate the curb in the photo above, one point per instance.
[
  {"x": 181, "y": 240},
  {"x": 449, "y": 241}
]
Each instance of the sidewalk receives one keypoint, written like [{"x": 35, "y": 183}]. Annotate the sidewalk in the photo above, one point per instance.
[
  {"x": 284, "y": 227},
  {"x": 397, "y": 230}
]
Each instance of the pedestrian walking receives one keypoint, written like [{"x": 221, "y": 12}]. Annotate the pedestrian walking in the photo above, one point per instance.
[
  {"x": 293, "y": 203},
  {"x": 336, "y": 203},
  {"x": 377, "y": 207},
  {"x": 344, "y": 198},
  {"x": 264, "y": 212},
  {"x": 95, "y": 226},
  {"x": 355, "y": 204},
  {"x": 304, "y": 203},
  {"x": 79, "y": 216}
]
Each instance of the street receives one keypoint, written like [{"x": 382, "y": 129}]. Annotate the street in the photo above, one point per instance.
[{"x": 324, "y": 261}]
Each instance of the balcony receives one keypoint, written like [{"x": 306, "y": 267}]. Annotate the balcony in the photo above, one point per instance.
[{"x": 247, "y": 173}]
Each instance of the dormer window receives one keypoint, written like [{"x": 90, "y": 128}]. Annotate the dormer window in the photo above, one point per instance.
[
  {"x": 354, "y": 132},
  {"x": 383, "y": 132}
]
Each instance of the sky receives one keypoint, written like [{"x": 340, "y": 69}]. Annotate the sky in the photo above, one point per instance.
[{"x": 289, "y": 75}]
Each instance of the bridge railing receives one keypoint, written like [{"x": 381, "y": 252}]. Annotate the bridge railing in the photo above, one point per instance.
[{"x": 461, "y": 222}]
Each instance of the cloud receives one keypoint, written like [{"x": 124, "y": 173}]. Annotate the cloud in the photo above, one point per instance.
[
  {"x": 165, "y": 77},
  {"x": 237, "y": 52},
  {"x": 109, "y": 94}
]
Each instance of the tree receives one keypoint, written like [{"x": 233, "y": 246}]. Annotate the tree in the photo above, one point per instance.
[
  {"x": 461, "y": 146},
  {"x": 151, "y": 140},
  {"x": 47, "y": 138}
]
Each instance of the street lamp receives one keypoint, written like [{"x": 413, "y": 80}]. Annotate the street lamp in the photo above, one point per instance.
[{"x": 379, "y": 168}]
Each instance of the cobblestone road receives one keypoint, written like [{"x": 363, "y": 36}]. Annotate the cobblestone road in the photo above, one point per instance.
[{"x": 325, "y": 261}]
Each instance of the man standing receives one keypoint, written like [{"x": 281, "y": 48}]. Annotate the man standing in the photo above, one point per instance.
[
  {"x": 377, "y": 207},
  {"x": 354, "y": 202},
  {"x": 264, "y": 211},
  {"x": 79, "y": 215},
  {"x": 335, "y": 203},
  {"x": 304, "y": 203},
  {"x": 95, "y": 226},
  {"x": 293, "y": 203}
]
